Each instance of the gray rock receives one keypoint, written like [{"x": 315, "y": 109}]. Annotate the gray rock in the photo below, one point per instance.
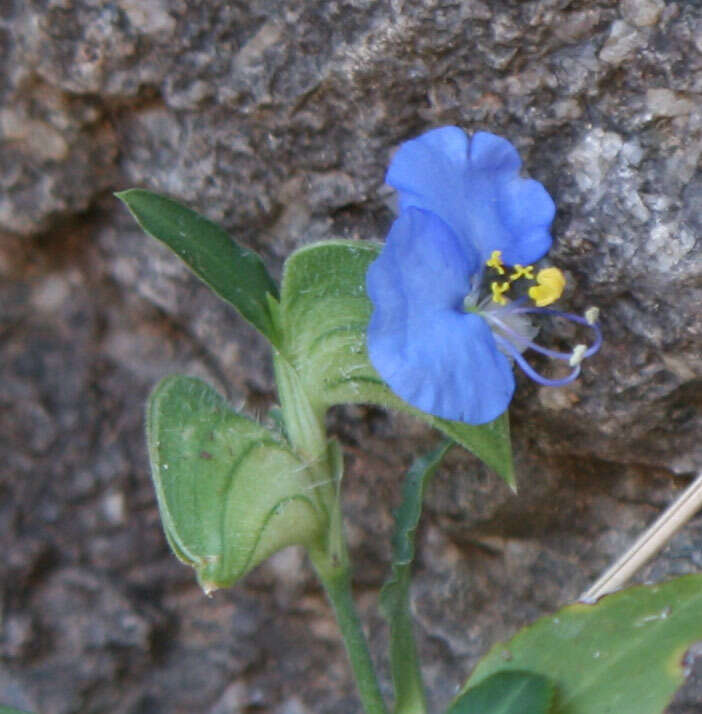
[
  {"x": 642, "y": 13},
  {"x": 278, "y": 120},
  {"x": 622, "y": 43}
]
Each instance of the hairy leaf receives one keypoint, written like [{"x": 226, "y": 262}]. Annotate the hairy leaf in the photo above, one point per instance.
[{"x": 230, "y": 494}]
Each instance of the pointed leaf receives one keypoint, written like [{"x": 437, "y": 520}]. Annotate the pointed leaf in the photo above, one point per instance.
[
  {"x": 325, "y": 313},
  {"x": 229, "y": 493},
  {"x": 10, "y": 710},
  {"x": 510, "y": 692},
  {"x": 623, "y": 654},
  {"x": 394, "y": 597},
  {"x": 237, "y": 275}
]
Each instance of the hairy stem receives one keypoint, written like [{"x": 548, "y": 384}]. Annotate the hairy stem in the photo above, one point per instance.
[{"x": 334, "y": 573}]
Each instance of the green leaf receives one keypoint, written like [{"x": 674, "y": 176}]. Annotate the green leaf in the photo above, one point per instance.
[
  {"x": 10, "y": 710},
  {"x": 622, "y": 655},
  {"x": 325, "y": 313},
  {"x": 489, "y": 442},
  {"x": 229, "y": 493},
  {"x": 394, "y": 597},
  {"x": 237, "y": 275},
  {"x": 510, "y": 692}
]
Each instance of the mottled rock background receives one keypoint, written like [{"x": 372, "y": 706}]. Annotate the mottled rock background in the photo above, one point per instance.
[{"x": 277, "y": 119}]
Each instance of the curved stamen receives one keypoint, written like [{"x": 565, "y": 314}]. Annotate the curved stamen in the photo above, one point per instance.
[
  {"x": 514, "y": 335},
  {"x": 567, "y": 316},
  {"x": 530, "y": 371}
]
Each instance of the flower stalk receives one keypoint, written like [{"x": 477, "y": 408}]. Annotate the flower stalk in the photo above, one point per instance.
[{"x": 333, "y": 570}]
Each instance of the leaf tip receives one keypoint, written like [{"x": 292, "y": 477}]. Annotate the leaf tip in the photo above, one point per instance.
[
  {"x": 123, "y": 195},
  {"x": 127, "y": 196}
]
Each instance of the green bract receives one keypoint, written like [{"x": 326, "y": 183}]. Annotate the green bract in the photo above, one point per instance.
[{"x": 230, "y": 494}]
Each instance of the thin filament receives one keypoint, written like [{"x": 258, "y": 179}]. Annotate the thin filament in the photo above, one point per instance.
[
  {"x": 567, "y": 316},
  {"x": 530, "y": 371},
  {"x": 512, "y": 334}
]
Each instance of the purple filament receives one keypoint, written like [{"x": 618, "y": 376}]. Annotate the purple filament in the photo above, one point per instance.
[
  {"x": 568, "y": 316},
  {"x": 509, "y": 336},
  {"x": 513, "y": 335},
  {"x": 530, "y": 371}
]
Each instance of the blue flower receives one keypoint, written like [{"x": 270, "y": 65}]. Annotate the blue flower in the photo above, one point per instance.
[{"x": 437, "y": 342}]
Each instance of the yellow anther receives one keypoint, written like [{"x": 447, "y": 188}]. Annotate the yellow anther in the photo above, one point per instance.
[
  {"x": 495, "y": 262},
  {"x": 549, "y": 287},
  {"x": 522, "y": 271},
  {"x": 497, "y": 292}
]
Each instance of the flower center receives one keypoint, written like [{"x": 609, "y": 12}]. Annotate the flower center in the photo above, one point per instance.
[
  {"x": 548, "y": 283},
  {"x": 509, "y": 319}
]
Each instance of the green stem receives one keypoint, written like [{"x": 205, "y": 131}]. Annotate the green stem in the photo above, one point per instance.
[
  {"x": 307, "y": 435},
  {"x": 334, "y": 573},
  {"x": 406, "y": 672}
]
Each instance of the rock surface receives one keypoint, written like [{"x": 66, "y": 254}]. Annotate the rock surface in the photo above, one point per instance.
[{"x": 277, "y": 119}]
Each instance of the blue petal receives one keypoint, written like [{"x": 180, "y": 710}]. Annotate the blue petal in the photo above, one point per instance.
[
  {"x": 436, "y": 357},
  {"x": 422, "y": 264},
  {"x": 490, "y": 152},
  {"x": 476, "y": 188},
  {"x": 425, "y": 171}
]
